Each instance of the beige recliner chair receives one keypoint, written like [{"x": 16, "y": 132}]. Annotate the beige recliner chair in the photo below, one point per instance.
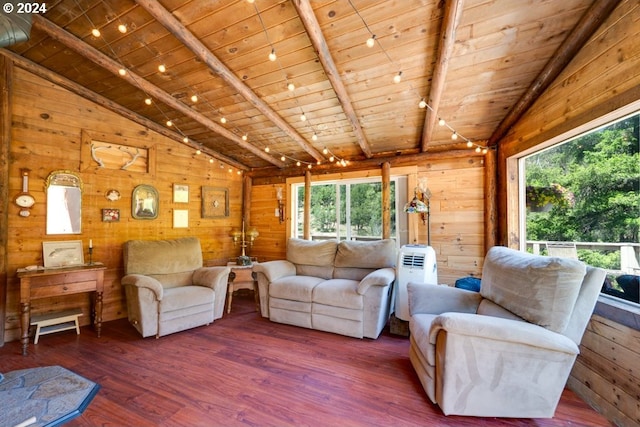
[
  {"x": 167, "y": 288},
  {"x": 507, "y": 350}
]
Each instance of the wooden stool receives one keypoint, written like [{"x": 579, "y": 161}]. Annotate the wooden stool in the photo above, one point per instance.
[{"x": 56, "y": 322}]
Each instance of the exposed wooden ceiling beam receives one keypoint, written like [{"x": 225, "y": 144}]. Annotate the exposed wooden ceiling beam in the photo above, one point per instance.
[
  {"x": 196, "y": 46},
  {"x": 310, "y": 22},
  {"x": 450, "y": 22},
  {"x": 82, "y": 91},
  {"x": 136, "y": 80},
  {"x": 584, "y": 29}
]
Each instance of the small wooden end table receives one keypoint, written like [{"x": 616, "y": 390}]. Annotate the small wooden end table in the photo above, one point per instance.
[{"x": 241, "y": 277}]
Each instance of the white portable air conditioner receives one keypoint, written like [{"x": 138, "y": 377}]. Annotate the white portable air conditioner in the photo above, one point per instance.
[{"x": 416, "y": 263}]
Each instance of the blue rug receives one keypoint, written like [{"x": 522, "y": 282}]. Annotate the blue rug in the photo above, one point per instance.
[{"x": 48, "y": 396}]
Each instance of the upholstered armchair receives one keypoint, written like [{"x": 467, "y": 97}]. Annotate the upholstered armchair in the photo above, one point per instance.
[
  {"x": 508, "y": 350},
  {"x": 167, "y": 288}
]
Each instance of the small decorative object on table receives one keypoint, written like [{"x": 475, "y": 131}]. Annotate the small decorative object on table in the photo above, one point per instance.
[{"x": 245, "y": 239}]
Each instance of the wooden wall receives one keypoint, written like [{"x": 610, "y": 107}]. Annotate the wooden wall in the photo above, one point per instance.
[
  {"x": 601, "y": 79},
  {"x": 48, "y": 124},
  {"x": 457, "y": 216}
]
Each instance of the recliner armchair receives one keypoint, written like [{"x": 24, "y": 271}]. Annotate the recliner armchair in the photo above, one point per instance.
[
  {"x": 167, "y": 288},
  {"x": 508, "y": 350}
]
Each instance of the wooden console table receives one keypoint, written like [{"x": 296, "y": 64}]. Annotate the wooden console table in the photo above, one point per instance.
[{"x": 54, "y": 282}]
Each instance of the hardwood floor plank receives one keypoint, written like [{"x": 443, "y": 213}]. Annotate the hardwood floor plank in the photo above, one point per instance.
[{"x": 244, "y": 370}]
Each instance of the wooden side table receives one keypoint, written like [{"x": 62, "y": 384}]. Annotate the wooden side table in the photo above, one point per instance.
[
  {"x": 241, "y": 277},
  {"x": 52, "y": 282}
]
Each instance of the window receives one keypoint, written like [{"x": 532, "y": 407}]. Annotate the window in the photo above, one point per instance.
[
  {"x": 584, "y": 193},
  {"x": 344, "y": 210}
]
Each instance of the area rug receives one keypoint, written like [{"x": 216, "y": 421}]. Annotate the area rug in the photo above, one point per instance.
[{"x": 45, "y": 396}]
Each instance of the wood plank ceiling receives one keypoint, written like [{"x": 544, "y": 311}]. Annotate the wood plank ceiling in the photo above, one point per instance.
[{"x": 478, "y": 63}]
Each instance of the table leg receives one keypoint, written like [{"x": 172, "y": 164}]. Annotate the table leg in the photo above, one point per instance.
[
  {"x": 229, "y": 296},
  {"x": 25, "y": 310},
  {"x": 98, "y": 313}
]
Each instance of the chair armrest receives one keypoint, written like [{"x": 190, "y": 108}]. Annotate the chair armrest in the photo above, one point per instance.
[
  {"x": 273, "y": 270},
  {"x": 380, "y": 277},
  {"x": 499, "y": 329},
  {"x": 211, "y": 277},
  {"x": 436, "y": 299},
  {"x": 142, "y": 281}
]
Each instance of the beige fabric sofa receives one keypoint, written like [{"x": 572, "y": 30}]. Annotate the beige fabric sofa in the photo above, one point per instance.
[
  {"x": 167, "y": 288},
  {"x": 507, "y": 350},
  {"x": 344, "y": 287}
]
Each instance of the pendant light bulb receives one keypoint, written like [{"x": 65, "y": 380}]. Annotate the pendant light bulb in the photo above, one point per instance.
[
  {"x": 331, "y": 159},
  {"x": 198, "y": 152},
  {"x": 95, "y": 32},
  {"x": 122, "y": 28},
  {"x": 283, "y": 158},
  {"x": 371, "y": 41},
  {"x": 309, "y": 166},
  {"x": 223, "y": 120},
  {"x": 244, "y": 137},
  {"x": 291, "y": 87},
  {"x": 398, "y": 77},
  {"x": 267, "y": 149},
  {"x": 122, "y": 72},
  {"x": 148, "y": 101},
  {"x": 469, "y": 144},
  {"x": 169, "y": 123},
  {"x": 441, "y": 122},
  {"x": 162, "y": 68},
  {"x": 272, "y": 55},
  {"x": 314, "y": 137},
  {"x": 454, "y": 135},
  {"x": 303, "y": 117},
  {"x": 325, "y": 151},
  {"x": 211, "y": 161},
  {"x": 194, "y": 98},
  {"x": 298, "y": 163},
  {"x": 422, "y": 103},
  {"x": 185, "y": 139}
]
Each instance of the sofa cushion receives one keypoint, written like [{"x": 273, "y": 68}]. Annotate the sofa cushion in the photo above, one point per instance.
[
  {"x": 186, "y": 296},
  {"x": 370, "y": 255},
  {"x": 541, "y": 290},
  {"x": 338, "y": 293},
  {"x": 312, "y": 258},
  {"x": 162, "y": 257},
  {"x": 295, "y": 288}
]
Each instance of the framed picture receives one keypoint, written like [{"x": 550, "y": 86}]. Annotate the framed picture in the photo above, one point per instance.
[
  {"x": 62, "y": 254},
  {"x": 180, "y": 218},
  {"x": 215, "y": 202},
  {"x": 144, "y": 202},
  {"x": 110, "y": 215},
  {"x": 180, "y": 193}
]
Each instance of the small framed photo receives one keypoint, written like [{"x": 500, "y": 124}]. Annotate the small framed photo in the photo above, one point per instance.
[
  {"x": 62, "y": 254},
  {"x": 110, "y": 215},
  {"x": 180, "y": 218},
  {"x": 215, "y": 202},
  {"x": 144, "y": 202},
  {"x": 180, "y": 193}
]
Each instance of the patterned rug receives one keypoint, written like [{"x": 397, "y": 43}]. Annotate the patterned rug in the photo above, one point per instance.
[{"x": 47, "y": 396}]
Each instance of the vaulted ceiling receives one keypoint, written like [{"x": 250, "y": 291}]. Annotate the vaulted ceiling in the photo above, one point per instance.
[{"x": 477, "y": 64}]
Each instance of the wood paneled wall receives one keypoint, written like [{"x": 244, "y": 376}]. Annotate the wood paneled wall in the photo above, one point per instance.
[
  {"x": 48, "y": 124},
  {"x": 457, "y": 216},
  {"x": 601, "y": 79}
]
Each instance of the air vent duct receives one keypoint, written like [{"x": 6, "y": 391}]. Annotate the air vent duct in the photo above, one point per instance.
[{"x": 14, "y": 27}]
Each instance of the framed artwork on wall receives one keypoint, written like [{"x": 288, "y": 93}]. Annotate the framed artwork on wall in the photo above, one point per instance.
[
  {"x": 181, "y": 218},
  {"x": 144, "y": 202},
  {"x": 215, "y": 202},
  {"x": 180, "y": 193},
  {"x": 110, "y": 215}
]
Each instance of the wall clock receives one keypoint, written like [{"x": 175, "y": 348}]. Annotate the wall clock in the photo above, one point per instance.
[{"x": 24, "y": 200}]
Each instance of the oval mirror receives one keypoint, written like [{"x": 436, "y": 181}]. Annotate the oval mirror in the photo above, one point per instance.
[{"x": 64, "y": 202}]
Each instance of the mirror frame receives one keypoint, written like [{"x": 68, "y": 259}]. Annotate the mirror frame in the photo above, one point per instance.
[{"x": 64, "y": 178}]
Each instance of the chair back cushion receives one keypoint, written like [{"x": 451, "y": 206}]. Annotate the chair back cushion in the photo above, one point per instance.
[
  {"x": 171, "y": 262},
  {"x": 355, "y": 259},
  {"x": 542, "y": 290},
  {"x": 312, "y": 258}
]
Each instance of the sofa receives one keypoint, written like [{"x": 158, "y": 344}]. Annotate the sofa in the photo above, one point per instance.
[
  {"x": 508, "y": 350},
  {"x": 340, "y": 287},
  {"x": 167, "y": 288}
]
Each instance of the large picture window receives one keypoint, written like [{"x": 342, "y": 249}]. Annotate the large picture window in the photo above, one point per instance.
[
  {"x": 344, "y": 210},
  {"x": 581, "y": 199}
]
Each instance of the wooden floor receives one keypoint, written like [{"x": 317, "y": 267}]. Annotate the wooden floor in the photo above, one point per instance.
[{"x": 246, "y": 370}]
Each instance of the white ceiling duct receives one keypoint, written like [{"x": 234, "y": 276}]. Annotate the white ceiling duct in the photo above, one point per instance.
[{"x": 14, "y": 27}]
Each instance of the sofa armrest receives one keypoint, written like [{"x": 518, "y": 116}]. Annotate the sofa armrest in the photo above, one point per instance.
[
  {"x": 273, "y": 270},
  {"x": 217, "y": 279},
  {"x": 500, "y": 329},
  {"x": 380, "y": 277},
  {"x": 436, "y": 299},
  {"x": 142, "y": 281}
]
